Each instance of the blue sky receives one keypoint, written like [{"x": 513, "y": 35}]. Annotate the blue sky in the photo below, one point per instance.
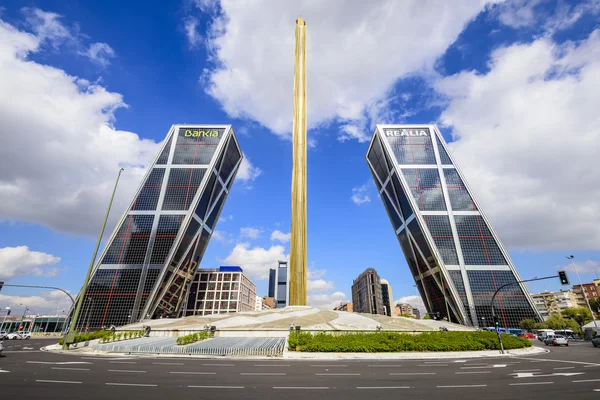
[{"x": 86, "y": 87}]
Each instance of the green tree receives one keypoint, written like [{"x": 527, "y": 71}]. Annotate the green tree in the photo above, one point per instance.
[
  {"x": 595, "y": 304},
  {"x": 581, "y": 315},
  {"x": 528, "y": 324},
  {"x": 557, "y": 322}
]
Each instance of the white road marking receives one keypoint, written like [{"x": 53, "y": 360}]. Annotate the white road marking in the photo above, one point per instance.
[
  {"x": 263, "y": 373},
  {"x": 166, "y": 363},
  {"x": 329, "y": 366},
  {"x": 301, "y": 387},
  {"x": 412, "y": 373},
  {"x": 383, "y": 387},
  {"x": 487, "y": 366},
  {"x": 596, "y": 390},
  {"x": 460, "y": 386},
  {"x": 123, "y": 362},
  {"x": 434, "y": 365},
  {"x": 561, "y": 361},
  {"x": 219, "y": 365},
  {"x": 474, "y": 372},
  {"x": 27, "y": 348},
  {"x": 130, "y": 384},
  {"x": 216, "y": 387},
  {"x": 58, "y": 363},
  {"x": 48, "y": 381},
  {"x": 384, "y": 366},
  {"x": 531, "y": 383},
  {"x": 126, "y": 370},
  {"x": 564, "y": 368},
  {"x": 435, "y": 362},
  {"x": 461, "y": 361},
  {"x": 590, "y": 366},
  {"x": 334, "y": 374},
  {"x": 531, "y": 375},
  {"x": 192, "y": 373},
  {"x": 527, "y": 370},
  {"x": 586, "y": 380},
  {"x": 3, "y": 371},
  {"x": 271, "y": 365},
  {"x": 72, "y": 369}
]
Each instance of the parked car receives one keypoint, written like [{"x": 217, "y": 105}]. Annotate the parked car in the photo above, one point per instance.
[
  {"x": 19, "y": 335},
  {"x": 556, "y": 340},
  {"x": 3, "y": 335}
]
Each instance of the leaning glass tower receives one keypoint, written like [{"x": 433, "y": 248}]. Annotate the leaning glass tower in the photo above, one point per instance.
[
  {"x": 150, "y": 259},
  {"x": 452, "y": 251}
]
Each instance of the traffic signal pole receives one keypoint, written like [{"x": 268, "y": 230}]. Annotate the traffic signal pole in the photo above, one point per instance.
[{"x": 496, "y": 319}]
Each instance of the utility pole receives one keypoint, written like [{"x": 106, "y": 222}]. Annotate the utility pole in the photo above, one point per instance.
[
  {"x": 89, "y": 272},
  {"x": 587, "y": 301}
]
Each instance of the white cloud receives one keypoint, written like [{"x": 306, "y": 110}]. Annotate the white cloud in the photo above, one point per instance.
[
  {"x": 249, "y": 232},
  {"x": 280, "y": 236},
  {"x": 518, "y": 13},
  {"x": 100, "y": 53},
  {"x": 316, "y": 273},
  {"x": 343, "y": 40},
  {"x": 226, "y": 218},
  {"x": 66, "y": 126},
  {"x": 588, "y": 266},
  {"x": 256, "y": 261},
  {"x": 527, "y": 140},
  {"x": 20, "y": 261},
  {"x": 360, "y": 195},
  {"x": 319, "y": 285},
  {"x": 414, "y": 301},
  {"x": 327, "y": 301},
  {"x": 46, "y": 26},
  {"x": 44, "y": 303},
  {"x": 218, "y": 235},
  {"x": 247, "y": 172},
  {"x": 190, "y": 25}
]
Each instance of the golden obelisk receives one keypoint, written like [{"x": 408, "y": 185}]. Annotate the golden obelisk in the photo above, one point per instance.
[{"x": 298, "y": 275}]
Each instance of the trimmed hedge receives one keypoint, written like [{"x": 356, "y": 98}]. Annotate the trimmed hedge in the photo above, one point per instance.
[
  {"x": 192, "y": 338},
  {"x": 382, "y": 342},
  {"x": 84, "y": 337}
]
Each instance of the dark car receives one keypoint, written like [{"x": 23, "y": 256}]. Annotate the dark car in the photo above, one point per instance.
[{"x": 596, "y": 341}]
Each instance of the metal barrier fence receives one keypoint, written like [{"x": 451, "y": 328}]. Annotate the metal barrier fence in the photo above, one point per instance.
[{"x": 227, "y": 346}]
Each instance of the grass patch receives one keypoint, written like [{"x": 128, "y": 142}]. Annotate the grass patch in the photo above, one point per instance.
[
  {"x": 192, "y": 338},
  {"x": 387, "y": 342}
]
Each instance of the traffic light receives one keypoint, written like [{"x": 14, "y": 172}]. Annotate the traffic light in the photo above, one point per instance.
[
  {"x": 563, "y": 278},
  {"x": 496, "y": 320}
]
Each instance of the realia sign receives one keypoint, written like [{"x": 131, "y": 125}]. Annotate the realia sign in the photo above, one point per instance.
[{"x": 406, "y": 132}]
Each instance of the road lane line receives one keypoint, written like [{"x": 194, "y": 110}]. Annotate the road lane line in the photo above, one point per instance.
[
  {"x": 530, "y": 383},
  {"x": 192, "y": 373},
  {"x": 383, "y": 387},
  {"x": 216, "y": 387},
  {"x": 272, "y": 365},
  {"x": 123, "y": 362},
  {"x": 586, "y": 380},
  {"x": 561, "y": 361},
  {"x": 72, "y": 369},
  {"x": 130, "y": 384},
  {"x": 433, "y": 365},
  {"x": 384, "y": 366},
  {"x": 329, "y": 365},
  {"x": 263, "y": 373},
  {"x": 564, "y": 368},
  {"x": 460, "y": 386},
  {"x": 474, "y": 372},
  {"x": 126, "y": 370},
  {"x": 219, "y": 365},
  {"x": 302, "y": 387},
  {"x": 412, "y": 373},
  {"x": 57, "y": 362},
  {"x": 48, "y": 381},
  {"x": 166, "y": 363},
  {"x": 334, "y": 374},
  {"x": 528, "y": 370}
]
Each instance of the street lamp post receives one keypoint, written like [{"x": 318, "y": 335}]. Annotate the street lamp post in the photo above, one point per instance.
[
  {"x": 571, "y": 257},
  {"x": 24, "y": 312},
  {"x": 91, "y": 266}
]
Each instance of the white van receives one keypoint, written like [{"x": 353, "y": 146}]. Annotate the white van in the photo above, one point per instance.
[{"x": 543, "y": 333}]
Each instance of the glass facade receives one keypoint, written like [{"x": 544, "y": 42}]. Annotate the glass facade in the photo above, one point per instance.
[
  {"x": 456, "y": 259},
  {"x": 149, "y": 262}
]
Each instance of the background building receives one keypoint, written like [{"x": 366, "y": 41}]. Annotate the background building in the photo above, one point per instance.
[
  {"x": 553, "y": 303},
  {"x": 454, "y": 255},
  {"x": 151, "y": 257},
  {"x": 388, "y": 299},
  {"x": 278, "y": 284},
  {"x": 268, "y": 302},
  {"x": 219, "y": 291},
  {"x": 258, "y": 303},
  {"x": 366, "y": 293},
  {"x": 403, "y": 309},
  {"x": 347, "y": 306},
  {"x": 589, "y": 290},
  {"x": 34, "y": 323}
]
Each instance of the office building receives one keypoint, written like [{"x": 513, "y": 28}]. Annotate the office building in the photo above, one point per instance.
[
  {"x": 279, "y": 284},
  {"x": 366, "y": 293},
  {"x": 403, "y": 309},
  {"x": 346, "y": 306},
  {"x": 219, "y": 291},
  {"x": 450, "y": 246},
  {"x": 151, "y": 257},
  {"x": 388, "y": 299},
  {"x": 416, "y": 313}
]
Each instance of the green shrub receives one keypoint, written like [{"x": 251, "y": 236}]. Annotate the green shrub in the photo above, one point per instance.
[
  {"x": 84, "y": 337},
  {"x": 397, "y": 342},
  {"x": 192, "y": 338}
]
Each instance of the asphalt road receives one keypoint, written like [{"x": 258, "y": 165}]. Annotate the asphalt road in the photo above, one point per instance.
[{"x": 564, "y": 373}]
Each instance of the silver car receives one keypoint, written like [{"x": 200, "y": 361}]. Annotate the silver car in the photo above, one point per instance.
[{"x": 556, "y": 340}]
